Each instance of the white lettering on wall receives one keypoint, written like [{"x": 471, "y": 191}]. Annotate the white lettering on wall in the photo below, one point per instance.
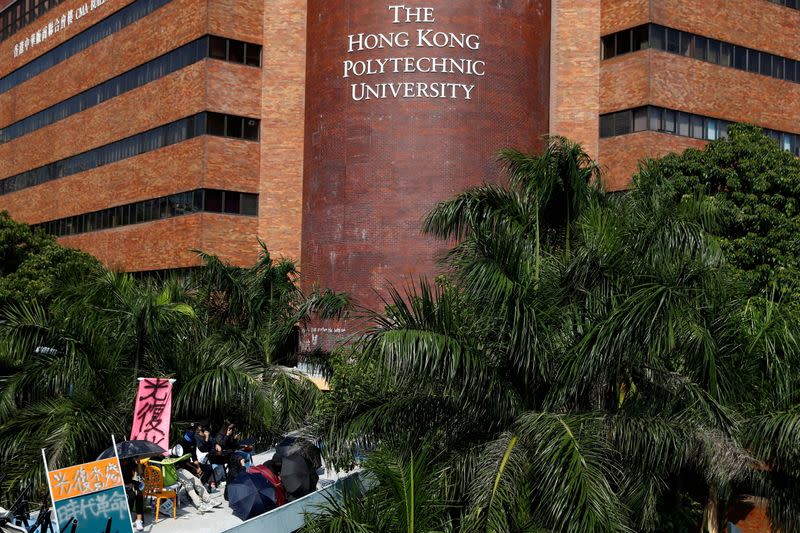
[
  {"x": 55, "y": 25},
  {"x": 419, "y": 38}
]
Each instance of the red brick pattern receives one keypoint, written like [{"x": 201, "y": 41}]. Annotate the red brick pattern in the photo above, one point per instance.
[
  {"x": 373, "y": 169},
  {"x": 208, "y": 161},
  {"x": 619, "y": 156},
  {"x": 282, "y": 126},
  {"x": 168, "y": 243},
  {"x": 575, "y": 71}
]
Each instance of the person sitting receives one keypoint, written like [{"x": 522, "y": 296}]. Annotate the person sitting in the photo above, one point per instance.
[
  {"x": 132, "y": 478},
  {"x": 227, "y": 443},
  {"x": 189, "y": 473},
  {"x": 205, "y": 446}
]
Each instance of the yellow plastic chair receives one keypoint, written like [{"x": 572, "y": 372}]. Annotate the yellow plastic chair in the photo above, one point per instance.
[{"x": 154, "y": 488}]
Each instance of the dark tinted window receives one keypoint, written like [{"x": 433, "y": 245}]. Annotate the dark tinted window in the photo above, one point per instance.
[
  {"x": 234, "y": 126},
  {"x": 253, "y": 55},
  {"x": 232, "y": 203},
  {"x": 213, "y": 201},
  {"x": 236, "y": 51},
  {"x": 251, "y": 129},
  {"x": 217, "y": 48},
  {"x": 216, "y": 123},
  {"x": 155, "y": 209}
]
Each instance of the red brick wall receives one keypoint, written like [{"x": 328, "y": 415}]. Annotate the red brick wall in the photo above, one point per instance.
[
  {"x": 750, "y": 516},
  {"x": 621, "y": 14},
  {"x": 282, "y": 127},
  {"x": 756, "y": 24},
  {"x": 619, "y": 156},
  {"x": 7, "y": 60},
  {"x": 208, "y": 161},
  {"x": 168, "y": 243},
  {"x": 374, "y": 169},
  {"x": 575, "y": 71}
]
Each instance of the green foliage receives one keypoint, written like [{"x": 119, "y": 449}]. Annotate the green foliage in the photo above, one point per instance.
[
  {"x": 592, "y": 363},
  {"x": 756, "y": 186},
  {"x": 33, "y": 265},
  {"x": 68, "y": 364}
]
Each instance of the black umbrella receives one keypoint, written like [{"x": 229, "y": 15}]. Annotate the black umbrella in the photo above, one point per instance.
[
  {"x": 133, "y": 448},
  {"x": 298, "y": 445},
  {"x": 250, "y": 495},
  {"x": 297, "y": 475}
]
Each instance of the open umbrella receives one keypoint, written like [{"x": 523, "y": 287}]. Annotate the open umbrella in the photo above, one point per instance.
[
  {"x": 295, "y": 445},
  {"x": 133, "y": 449},
  {"x": 297, "y": 475},
  {"x": 250, "y": 495}
]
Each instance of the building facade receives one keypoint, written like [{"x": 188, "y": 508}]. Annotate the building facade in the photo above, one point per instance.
[{"x": 139, "y": 130}]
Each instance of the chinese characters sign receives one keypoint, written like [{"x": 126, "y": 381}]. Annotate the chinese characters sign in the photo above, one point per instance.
[
  {"x": 85, "y": 479},
  {"x": 152, "y": 413},
  {"x": 91, "y": 494},
  {"x": 54, "y": 26}
]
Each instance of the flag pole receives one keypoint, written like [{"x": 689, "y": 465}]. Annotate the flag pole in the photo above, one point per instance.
[{"x": 49, "y": 486}]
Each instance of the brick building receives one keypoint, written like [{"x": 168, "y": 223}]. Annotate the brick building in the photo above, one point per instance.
[{"x": 138, "y": 130}]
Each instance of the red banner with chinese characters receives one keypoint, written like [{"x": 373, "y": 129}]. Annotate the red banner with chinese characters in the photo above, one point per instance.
[{"x": 153, "y": 410}]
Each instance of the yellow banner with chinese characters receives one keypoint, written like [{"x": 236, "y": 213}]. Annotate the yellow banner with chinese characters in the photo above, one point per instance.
[{"x": 87, "y": 478}]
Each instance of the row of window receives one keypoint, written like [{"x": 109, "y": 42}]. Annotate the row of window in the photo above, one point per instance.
[
  {"x": 652, "y": 118},
  {"x": 166, "y": 135},
  {"x": 794, "y": 4},
  {"x": 141, "y": 75},
  {"x": 711, "y": 50},
  {"x": 110, "y": 25},
  {"x": 21, "y": 13},
  {"x": 175, "y": 205}
]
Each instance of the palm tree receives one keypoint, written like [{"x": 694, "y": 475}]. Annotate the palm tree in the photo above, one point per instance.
[{"x": 584, "y": 385}]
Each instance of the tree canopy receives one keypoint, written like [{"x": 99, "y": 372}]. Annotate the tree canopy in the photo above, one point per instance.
[
  {"x": 33, "y": 264},
  {"x": 599, "y": 367},
  {"x": 756, "y": 187}
]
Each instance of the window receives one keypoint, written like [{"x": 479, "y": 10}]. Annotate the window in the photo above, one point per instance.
[
  {"x": 640, "y": 38},
  {"x": 607, "y": 125},
  {"x": 251, "y": 127},
  {"x": 696, "y": 123},
  {"x": 640, "y": 119},
  {"x": 234, "y": 126},
  {"x": 216, "y": 124},
  {"x": 213, "y": 201},
  {"x": 700, "y": 48},
  {"x": 622, "y": 123},
  {"x": 249, "y": 204},
  {"x": 765, "y": 65},
  {"x": 654, "y": 114},
  {"x": 112, "y": 24},
  {"x": 657, "y": 37},
  {"x": 235, "y": 203},
  {"x": 683, "y": 124},
  {"x": 713, "y": 51},
  {"x": 609, "y": 46},
  {"x": 673, "y": 40},
  {"x": 252, "y": 55},
  {"x": 236, "y": 51},
  {"x": 655, "y": 118},
  {"x": 232, "y": 203},
  {"x": 740, "y": 58},
  {"x": 752, "y": 60},
  {"x": 726, "y": 54},
  {"x": 217, "y": 48}
]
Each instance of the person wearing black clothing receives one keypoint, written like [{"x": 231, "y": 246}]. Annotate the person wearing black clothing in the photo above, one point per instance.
[
  {"x": 131, "y": 477},
  {"x": 205, "y": 447}
]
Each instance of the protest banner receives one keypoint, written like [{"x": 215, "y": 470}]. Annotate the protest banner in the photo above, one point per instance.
[
  {"x": 89, "y": 498},
  {"x": 152, "y": 412}
]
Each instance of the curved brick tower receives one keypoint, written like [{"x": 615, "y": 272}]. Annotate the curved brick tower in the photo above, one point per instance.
[{"x": 407, "y": 105}]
